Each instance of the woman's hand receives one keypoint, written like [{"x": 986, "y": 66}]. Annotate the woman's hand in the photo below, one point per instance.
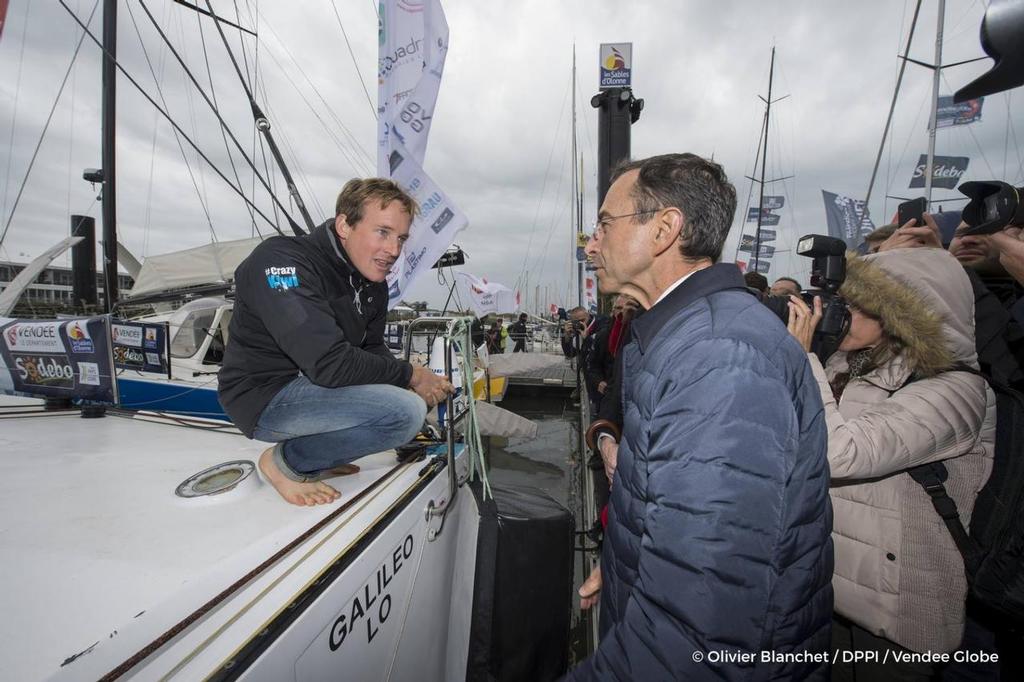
[{"x": 803, "y": 321}]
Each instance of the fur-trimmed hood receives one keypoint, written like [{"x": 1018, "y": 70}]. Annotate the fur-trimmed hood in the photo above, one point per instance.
[{"x": 924, "y": 298}]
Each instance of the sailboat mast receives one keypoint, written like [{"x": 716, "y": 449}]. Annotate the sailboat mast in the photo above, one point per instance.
[
  {"x": 575, "y": 189},
  {"x": 932, "y": 120},
  {"x": 109, "y": 155},
  {"x": 764, "y": 161}
]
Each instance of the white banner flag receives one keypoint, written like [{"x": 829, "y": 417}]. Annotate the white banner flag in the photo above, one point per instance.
[
  {"x": 487, "y": 297},
  {"x": 413, "y": 47}
]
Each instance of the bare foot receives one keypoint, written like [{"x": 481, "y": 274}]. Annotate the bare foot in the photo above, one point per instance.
[{"x": 305, "y": 494}]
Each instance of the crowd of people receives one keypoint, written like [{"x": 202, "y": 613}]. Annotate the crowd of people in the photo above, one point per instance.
[
  {"x": 772, "y": 513},
  {"x": 765, "y": 499}
]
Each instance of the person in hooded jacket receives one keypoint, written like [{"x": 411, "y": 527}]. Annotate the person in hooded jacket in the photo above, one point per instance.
[{"x": 894, "y": 400}]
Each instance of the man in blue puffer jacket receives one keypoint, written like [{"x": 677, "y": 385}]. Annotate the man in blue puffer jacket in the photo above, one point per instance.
[{"x": 717, "y": 559}]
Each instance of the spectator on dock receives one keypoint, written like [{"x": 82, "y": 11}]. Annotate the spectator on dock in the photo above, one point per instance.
[
  {"x": 757, "y": 283},
  {"x": 497, "y": 337},
  {"x": 306, "y": 366},
  {"x": 518, "y": 333},
  {"x": 719, "y": 526},
  {"x": 786, "y": 286}
]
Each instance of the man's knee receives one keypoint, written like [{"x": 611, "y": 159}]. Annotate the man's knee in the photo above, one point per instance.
[{"x": 409, "y": 410}]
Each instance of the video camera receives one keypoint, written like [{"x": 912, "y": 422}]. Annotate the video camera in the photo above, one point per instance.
[{"x": 828, "y": 272}]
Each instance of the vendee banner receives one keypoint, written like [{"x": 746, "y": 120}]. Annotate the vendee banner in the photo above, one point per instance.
[
  {"x": 58, "y": 358},
  {"x": 139, "y": 346}
]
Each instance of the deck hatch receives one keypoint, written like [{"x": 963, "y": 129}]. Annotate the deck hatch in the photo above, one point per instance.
[{"x": 215, "y": 480}]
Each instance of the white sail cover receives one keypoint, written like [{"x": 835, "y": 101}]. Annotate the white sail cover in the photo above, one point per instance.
[
  {"x": 413, "y": 47},
  {"x": 209, "y": 264}
]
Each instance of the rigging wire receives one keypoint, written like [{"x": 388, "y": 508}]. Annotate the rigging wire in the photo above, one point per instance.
[
  {"x": 146, "y": 228},
  {"x": 356, "y": 145},
  {"x": 252, "y": 81},
  {"x": 213, "y": 96},
  {"x": 46, "y": 126},
  {"x": 166, "y": 115},
  {"x": 190, "y": 99},
  {"x": 355, "y": 65},
  {"x": 267, "y": 168},
  {"x": 977, "y": 144},
  {"x": 357, "y": 164},
  {"x": 181, "y": 148},
  {"x": 540, "y": 198},
  {"x": 14, "y": 113},
  {"x": 216, "y": 113},
  {"x": 264, "y": 125}
]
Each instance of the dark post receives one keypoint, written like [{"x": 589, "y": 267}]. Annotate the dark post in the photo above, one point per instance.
[
  {"x": 83, "y": 261},
  {"x": 109, "y": 154},
  {"x": 617, "y": 111}
]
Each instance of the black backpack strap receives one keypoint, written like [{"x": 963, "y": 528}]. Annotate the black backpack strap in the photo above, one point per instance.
[{"x": 930, "y": 477}]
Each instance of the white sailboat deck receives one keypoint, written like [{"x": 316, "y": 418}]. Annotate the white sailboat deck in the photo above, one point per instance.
[{"x": 97, "y": 547}]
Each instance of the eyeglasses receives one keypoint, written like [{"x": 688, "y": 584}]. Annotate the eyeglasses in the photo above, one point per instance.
[{"x": 600, "y": 227}]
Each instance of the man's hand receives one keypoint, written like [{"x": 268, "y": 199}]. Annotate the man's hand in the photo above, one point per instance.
[
  {"x": 590, "y": 590},
  {"x": 610, "y": 455},
  {"x": 602, "y": 387},
  {"x": 909, "y": 236},
  {"x": 1010, "y": 243},
  {"x": 429, "y": 386}
]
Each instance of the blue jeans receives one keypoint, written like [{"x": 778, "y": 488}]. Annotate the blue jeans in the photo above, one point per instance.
[{"x": 318, "y": 428}]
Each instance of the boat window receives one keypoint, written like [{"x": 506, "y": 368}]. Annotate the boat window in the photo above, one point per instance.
[{"x": 191, "y": 324}]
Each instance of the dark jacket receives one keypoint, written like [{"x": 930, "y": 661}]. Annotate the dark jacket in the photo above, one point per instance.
[
  {"x": 295, "y": 311},
  {"x": 718, "y": 535}
]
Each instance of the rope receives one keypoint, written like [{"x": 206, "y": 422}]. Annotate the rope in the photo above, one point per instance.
[{"x": 462, "y": 335}]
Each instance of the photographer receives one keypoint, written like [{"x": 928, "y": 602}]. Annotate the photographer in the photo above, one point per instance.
[{"x": 895, "y": 400}]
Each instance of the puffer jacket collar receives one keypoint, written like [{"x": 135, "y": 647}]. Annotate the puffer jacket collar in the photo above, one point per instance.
[{"x": 718, "y": 277}]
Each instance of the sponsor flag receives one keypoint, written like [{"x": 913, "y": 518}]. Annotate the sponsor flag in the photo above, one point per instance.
[
  {"x": 946, "y": 171},
  {"x": 748, "y": 240},
  {"x": 950, "y": 113},
  {"x": 763, "y": 266},
  {"x": 413, "y": 46},
  {"x": 767, "y": 217},
  {"x": 487, "y": 297},
  {"x": 847, "y": 219},
  {"x": 764, "y": 252},
  {"x": 773, "y": 203}
]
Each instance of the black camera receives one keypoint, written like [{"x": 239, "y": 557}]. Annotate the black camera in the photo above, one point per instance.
[
  {"x": 992, "y": 207},
  {"x": 828, "y": 272}
]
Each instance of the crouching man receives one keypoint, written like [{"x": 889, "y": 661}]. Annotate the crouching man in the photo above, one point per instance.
[{"x": 306, "y": 366}]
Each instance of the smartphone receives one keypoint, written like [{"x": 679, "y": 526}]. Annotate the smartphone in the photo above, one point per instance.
[{"x": 912, "y": 210}]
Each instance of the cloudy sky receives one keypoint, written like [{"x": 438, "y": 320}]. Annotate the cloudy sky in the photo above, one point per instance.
[{"x": 501, "y": 136}]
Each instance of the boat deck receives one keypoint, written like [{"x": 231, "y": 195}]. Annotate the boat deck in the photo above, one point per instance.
[{"x": 94, "y": 537}]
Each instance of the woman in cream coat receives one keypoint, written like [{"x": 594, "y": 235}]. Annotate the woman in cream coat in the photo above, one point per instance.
[{"x": 892, "y": 403}]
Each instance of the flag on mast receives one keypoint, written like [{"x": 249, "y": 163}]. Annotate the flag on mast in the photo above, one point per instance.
[{"x": 413, "y": 46}]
